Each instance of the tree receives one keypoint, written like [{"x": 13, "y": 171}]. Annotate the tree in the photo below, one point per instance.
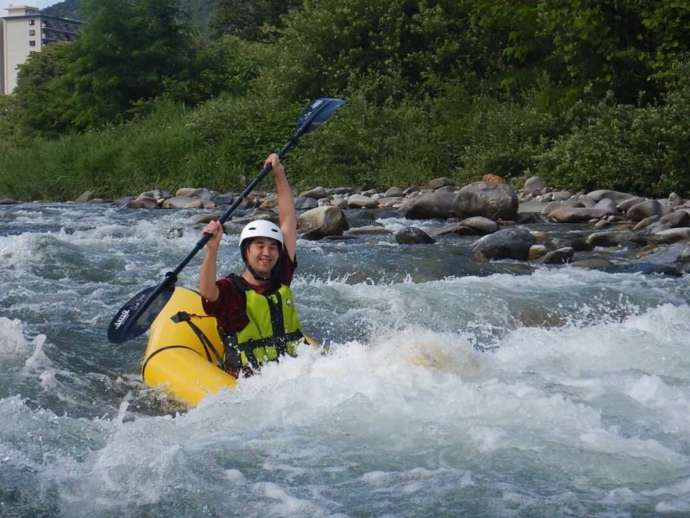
[
  {"x": 247, "y": 18},
  {"x": 124, "y": 56}
]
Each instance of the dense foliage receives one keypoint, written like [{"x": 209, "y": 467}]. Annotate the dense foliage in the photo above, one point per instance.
[{"x": 588, "y": 93}]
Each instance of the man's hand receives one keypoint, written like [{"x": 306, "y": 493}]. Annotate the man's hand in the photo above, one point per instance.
[{"x": 215, "y": 229}]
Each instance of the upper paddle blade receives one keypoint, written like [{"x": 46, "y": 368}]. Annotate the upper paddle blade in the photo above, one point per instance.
[
  {"x": 135, "y": 317},
  {"x": 318, "y": 112}
]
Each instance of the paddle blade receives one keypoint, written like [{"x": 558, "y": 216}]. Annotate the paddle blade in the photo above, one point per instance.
[
  {"x": 135, "y": 317},
  {"x": 318, "y": 112}
]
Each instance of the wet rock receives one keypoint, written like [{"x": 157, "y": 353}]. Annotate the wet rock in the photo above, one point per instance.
[
  {"x": 85, "y": 197},
  {"x": 394, "y": 192},
  {"x": 559, "y": 256},
  {"x": 624, "y": 206},
  {"x": 575, "y": 215},
  {"x": 644, "y": 209},
  {"x": 8, "y": 201},
  {"x": 594, "y": 263},
  {"x": 201, "y": 193},
  {"x": 368, "y": 230},
  {"x": 183, "y": 202},
  {"x": 614, "y": 238},
  {"x": 613, "y": 195},
  {"x": 413, "y": 236},
  {"x": 430, "y": 205},
  {"x": 537, "y": 252},
  {"x": 316, "y": 193},
  {"x": 672, "y": 235},
  {"x": 534, "y": 185},
  {"x": 457, "y": 229},
  {"x": 174, "y": 233},
  {"x": 646, "y": 222},
  {"x": 143, "y": 202},
  {"x": 322, "y": 221},
  {"x": 550, "y": 207},
  {"x": 672, "y": 254},
  {"x": 227, "y": 198},
  {"x": 305, "y": 203},
  {"x": 437, "y": 183},
  {"x": 509, "y": 243},
  {"x": 647, "y": 269},
  {"x": 359, "y": 201},
  {"x": 491, "y": 200},
  {"x": 480, "y": 224}
]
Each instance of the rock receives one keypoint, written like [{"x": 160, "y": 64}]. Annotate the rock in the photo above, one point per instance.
[
  {"x": 437, "y": 183},
  {"x": 368, "y": 230},
  {"x": 174, "y": 233},
  {"x": 595, "y": 263},
  {"x": 675, "y": 219},
  {"x": 202, "y": 219},
  {"x": 509, "y": 243},
  {"x": 550, "y": 207},
  {"x": 390, "y": 202},
  {"x": 672, "y": 235},
  {"x": 359, "y": 201},
  {"x": 493, "y": 178},
  {"x": 430, "y": 205},
  {"x": 143, "y": 202},
  {"x": 537, "y": 252},
  {"x": 269, "y": 202},
  {"x": 673, "y": 254},
  {"x": 183, "y": 202},
  {"x": 644, "y": 209},
  {"x": 608, "y": 205},
  {"x": 491, "y": 200},
  {"x": 413, "y": 236},
  {"x": 411, "y": 190},
  {"x": 575, "y": 215},
  {"x": 614, "y": 238},
  {"x": 8, "y": 201},
  {"x": 322, "y": 221},
  {"x": 156, "y": 194},
  {"x": 561, "y": 195},
  {"x": 201, "y": 193},
  {"x": 625, "y": 205},
  {"x": 342, "y": 191},
  {"x": 559, "y": 256},
  {"x": 534, "y": 185},
  {"x": 480, "y": 224},
  {"x": 613, "y": 195},
  {"x": 647, "y": 269},
  {"x": 316, "y": 193},
  {"x": 223, "y": 199},
  {"x": 305, "y": 203},
  {"x": 674, "y": 200},
  {"x": 393, "y": 192},
  {"x": 86, "y": 196},
  {"x": 646, "y": 222},
  {"x": 340, "y": 202},
  {"x": 456, "y": 228}
]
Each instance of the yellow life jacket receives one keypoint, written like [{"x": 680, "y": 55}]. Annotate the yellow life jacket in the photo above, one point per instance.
[{"x": 273, "y": 329}]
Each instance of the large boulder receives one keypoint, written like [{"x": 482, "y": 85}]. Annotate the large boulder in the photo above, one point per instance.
[
  {"x": 322, "y": 221},
  {"x": 491, "y": 200},
  {"x": 612, "y": 195},
  {"x": 430, "y": 205},
  {"x": 413, "y": 236},
  {"x": 576, "y": 215},
  {"x": 534, "y": 185},
  {"x": 509, "y": 243},
  {"x": 644, "y": 209}
]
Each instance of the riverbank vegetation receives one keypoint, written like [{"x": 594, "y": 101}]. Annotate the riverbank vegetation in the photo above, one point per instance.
[{"x": 586, "y": 93}]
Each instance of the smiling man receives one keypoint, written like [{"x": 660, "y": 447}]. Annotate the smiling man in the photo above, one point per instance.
[{"x": 256, "y": 310}]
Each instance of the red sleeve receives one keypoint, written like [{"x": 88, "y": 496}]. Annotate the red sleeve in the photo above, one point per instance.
[
  {"x": 230, "y": 308},
  {"x": 286, "y": 268}
]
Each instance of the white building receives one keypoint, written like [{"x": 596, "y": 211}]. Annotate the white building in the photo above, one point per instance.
[{"x": 25, "y": 30}]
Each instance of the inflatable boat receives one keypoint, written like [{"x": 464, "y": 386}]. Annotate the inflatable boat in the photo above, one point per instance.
[{"x": 185, "y": 350}]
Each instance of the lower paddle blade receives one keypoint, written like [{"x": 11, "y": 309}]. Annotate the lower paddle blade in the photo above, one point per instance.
[{"x": 135, "y": 317}]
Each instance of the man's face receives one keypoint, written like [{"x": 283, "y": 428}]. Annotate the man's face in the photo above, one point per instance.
[{"x": 262, "y": 255}]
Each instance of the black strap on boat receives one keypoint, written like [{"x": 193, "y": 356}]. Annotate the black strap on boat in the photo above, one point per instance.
[
  {"x": 183, "y": 316},
  {"x": 166, "y": 348}
]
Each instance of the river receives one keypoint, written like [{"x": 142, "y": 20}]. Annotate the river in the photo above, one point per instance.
[{"x": 450, "y": 387}]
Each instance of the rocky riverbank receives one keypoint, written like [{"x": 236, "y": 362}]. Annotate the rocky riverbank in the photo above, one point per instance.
[{"x": 653, "y": 234}]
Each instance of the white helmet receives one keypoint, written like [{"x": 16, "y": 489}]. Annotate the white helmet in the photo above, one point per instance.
[{"x": 261, "y": 228}]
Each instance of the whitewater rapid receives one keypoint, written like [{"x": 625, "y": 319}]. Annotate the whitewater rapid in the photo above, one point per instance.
[{"x": 447, "y": 389}]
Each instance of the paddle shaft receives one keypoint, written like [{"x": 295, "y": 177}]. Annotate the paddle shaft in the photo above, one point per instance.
[{"x": 249, "y": 188}]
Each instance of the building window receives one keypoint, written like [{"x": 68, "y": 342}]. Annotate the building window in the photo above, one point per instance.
[
  {"x": 32, "y": 32},
  {"x": 32, "y": 43},
  {"x": 32, "y": 22}
]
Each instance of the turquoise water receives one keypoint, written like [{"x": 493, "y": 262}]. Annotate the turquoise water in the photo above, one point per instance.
[{"x": 451, "y": 387}]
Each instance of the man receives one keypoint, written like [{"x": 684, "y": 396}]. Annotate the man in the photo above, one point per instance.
[{"x": 256, "y": 311}]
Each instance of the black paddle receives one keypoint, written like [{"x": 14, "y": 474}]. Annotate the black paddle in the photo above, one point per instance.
[{"x": 135, "y": 317}]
